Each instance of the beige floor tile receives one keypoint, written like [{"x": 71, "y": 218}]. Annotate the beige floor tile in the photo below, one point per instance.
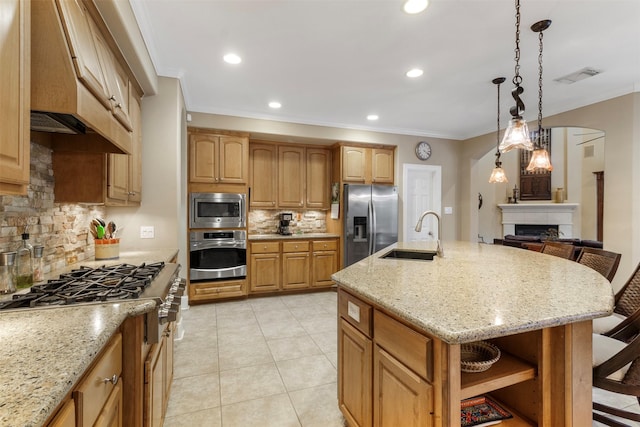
[
  {"x": 274, "y": 316},
  {"x": 327, "y": 341},
  {"x": 193, "y": 394},
  {"x": 271, "y": 303},
  {"x": 248, "y": 383},
  {"x": 318, "y": 406},
  {"x": 195, "y": 342},
  {"x": 271, "y": 411},
  {"x": 333, "y": 358},
  {"x": 282, "y": 329},
  {"x": 305, "y": 372},
  {"x": 189, "y": 363},
  {"x": 293, "y": 347},
  {"x": 243, "y": 353},
  {"x": 304, "y": 311},
  {"x": 206, "y": 418},
  {"x": 315, "y": 323}
]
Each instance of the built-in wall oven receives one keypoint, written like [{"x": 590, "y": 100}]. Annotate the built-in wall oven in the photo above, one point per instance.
[
  {"x": 217, "y": 255},
  {"x": 217, "y": 210}
]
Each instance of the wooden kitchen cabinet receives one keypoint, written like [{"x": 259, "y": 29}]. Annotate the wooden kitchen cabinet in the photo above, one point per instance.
[
  {"x": 15, "y": 77},
  {"x": 218, "y": 159},
  {"x": 318, "y": 174},
  {"x": 291, "y": 177},
  {"x": 215, "y": 290},
  {"x": 354, "y": 392},
  {"x": 158, "y": 377},
  {"x": 263, "y": 175},
  {"x": 264, "y": 269},
  {"x": 66, "y": 416},
  {"x": 402, "y": 398},
  {"x": 98, "y": 397},
  {"x": 295, "y": 265},
  {"x": 324, "y": 262},
  {"x": 367, "y": 165},
  {"x": 291, "y": 264}
]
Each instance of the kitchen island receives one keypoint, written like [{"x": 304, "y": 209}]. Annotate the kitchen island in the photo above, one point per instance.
[
  {"x": 402, "y": 322},
  {"x": 47, "y": 350}
]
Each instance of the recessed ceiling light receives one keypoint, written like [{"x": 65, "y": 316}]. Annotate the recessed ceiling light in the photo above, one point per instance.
[
  {"x": 415, "y": 6},
  {"x": 275, "y": 104},
  {"x": 372, "y": 117},
  {"x": 232, "y": 58},
  {"x": 415, "y": 72}
]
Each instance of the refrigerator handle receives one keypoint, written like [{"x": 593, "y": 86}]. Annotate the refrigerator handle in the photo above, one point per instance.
[
  {"x": 371, "y": 226},
  {"x": 374, "y": 231}
]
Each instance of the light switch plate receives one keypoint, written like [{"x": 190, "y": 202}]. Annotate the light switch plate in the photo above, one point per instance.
[
  {"x": 448, "y": 210},
  {"x": 353, "y": 311},
  {"x": 147, "y": 232}
]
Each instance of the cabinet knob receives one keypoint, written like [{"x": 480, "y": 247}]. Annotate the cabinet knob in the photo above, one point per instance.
[
  {"x": 265, "y": 248},
  {"x": 113, "y": 380},
  {"x": 119, "y": 105},
  {"x": 112, "y": 98}
]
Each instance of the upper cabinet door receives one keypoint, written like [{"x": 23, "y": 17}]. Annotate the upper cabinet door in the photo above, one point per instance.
[
  {"x": 77, "y": 27},
  {"x": 354, "y": 162},
  {"x": 382, "y": 166},
  {"x": 15, "y": 89},
  {"x": 233, "y": 159},
  {"x": 263, "y": 173},
  {"x": 318, "y": 178},
  {"x": 116, "y": 79},
  {"x": 291, "y": 177},
  {"x": 202, "y": 158}
]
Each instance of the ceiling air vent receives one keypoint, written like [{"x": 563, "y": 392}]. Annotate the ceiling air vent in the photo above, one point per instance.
[{"x": 576, "y": 76}]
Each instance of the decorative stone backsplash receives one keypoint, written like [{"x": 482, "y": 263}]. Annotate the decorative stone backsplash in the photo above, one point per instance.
[
  {"x": 63, "y": 229},
  {"x": 267, "y": 222}
]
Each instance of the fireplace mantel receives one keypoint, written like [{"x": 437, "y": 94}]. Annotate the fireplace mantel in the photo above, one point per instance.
[{"x": 560, "y": 214}]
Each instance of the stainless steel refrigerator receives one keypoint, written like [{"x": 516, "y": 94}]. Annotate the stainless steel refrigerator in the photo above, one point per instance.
[{"x": 371, "y": 220}]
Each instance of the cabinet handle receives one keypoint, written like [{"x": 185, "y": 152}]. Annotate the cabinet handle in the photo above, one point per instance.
[
  {"x": 119, "y": 105},
  {"x": 112, "y": 98},
  {"x": 113, "y": 380}
]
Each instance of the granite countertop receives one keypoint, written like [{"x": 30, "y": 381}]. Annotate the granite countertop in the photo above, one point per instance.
[
  {"x": 293, "y": 236},
  {"x": 479, "y": 291},
  {"x": 45, "y": 351}
]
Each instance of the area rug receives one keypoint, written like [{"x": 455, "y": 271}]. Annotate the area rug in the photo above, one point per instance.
[{"x": 481, "y": 411}]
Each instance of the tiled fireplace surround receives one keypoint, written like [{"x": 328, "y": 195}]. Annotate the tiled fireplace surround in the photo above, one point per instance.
[{"x": 560, "y": 214}]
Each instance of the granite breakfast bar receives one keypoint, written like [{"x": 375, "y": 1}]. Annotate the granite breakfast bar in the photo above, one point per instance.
[{"x": 401, "y": 324}]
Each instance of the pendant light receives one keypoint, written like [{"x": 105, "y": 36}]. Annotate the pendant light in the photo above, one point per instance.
[
  {"x": 498, "y": 175},
  {"x": 540, "y": 158},
  {"x": 517, "y": 133}
]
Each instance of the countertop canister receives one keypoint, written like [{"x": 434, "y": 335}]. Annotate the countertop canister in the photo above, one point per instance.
[{"x": 7, "y": 272}]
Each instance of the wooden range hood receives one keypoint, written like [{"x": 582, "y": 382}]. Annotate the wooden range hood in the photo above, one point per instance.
[{"x": 60, "y": 80}]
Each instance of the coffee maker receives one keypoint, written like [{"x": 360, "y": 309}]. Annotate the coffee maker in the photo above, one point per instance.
[{"x": 285, "y": 219}]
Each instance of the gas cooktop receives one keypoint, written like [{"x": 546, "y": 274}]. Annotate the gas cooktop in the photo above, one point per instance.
[{"x": 106, "y": 283}]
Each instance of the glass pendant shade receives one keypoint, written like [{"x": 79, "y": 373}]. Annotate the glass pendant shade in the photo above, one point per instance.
[
  {"x": 540, "y": 160},
  {"x": 498, "y": 175},
  {"x": 516, "y": 136}
]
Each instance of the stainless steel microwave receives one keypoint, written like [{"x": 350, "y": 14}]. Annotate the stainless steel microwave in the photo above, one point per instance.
[{"x": 217, "y": 210}]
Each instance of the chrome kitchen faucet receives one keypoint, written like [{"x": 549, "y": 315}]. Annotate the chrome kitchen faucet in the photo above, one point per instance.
[{"x": 439, "y": 250}]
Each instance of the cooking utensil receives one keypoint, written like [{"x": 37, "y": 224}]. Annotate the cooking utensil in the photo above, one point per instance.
[
  {"x": 99, "y": 231},
  {"x": 92, "y": 230},
  {"x": 111, "y": 229}
]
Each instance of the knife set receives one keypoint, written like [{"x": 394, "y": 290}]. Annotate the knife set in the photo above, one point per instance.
[{"x": 104, "y": 234}]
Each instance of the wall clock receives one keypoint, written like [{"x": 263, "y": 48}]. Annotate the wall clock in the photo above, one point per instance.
[{"x": 423, "y": 150}]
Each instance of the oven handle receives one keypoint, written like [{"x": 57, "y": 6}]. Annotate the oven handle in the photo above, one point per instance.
[
  {"x": 208, "y": 270},
  {"x": 212, "y": 245}
]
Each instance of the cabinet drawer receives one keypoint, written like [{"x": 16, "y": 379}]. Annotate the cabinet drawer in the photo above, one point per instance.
[
  {"x": 93, "y": 391},
  {"x": 325, "y": 245},
  {"x": 265, "y": 247},
  {"x": 300, "y": 246},
  {"x": 408, "y": 346},
  {"x": 354, "y": 311}
]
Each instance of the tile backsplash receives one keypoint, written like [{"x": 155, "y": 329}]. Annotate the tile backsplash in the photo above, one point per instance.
[
  {"x": 63, "y": 229},
  {"x": 267, "y": 221}
]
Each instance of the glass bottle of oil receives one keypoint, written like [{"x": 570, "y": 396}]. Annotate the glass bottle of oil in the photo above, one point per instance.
[{"x": 24, "y": 264}]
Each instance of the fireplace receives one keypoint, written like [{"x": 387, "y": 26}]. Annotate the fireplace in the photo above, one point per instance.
[
  {"x": 538, "y": 217},
  {"x": 535, "y": 230}
]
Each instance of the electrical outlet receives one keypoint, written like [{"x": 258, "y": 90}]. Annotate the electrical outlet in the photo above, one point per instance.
[{"x": 147, "y": 232}]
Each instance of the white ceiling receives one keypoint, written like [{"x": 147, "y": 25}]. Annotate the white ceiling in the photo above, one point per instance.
[{"x": 333, "y": 62}]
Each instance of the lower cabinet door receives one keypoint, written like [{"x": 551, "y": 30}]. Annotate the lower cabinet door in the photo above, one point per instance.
[
  {"x": 66, "y": 416},
  {"x": 295, "y": 270},
  {"x": 154, "y": 388},
  {"x": 111, "y": 415},
  {"x": 354, "y": 375},
  {"x": 401, "y": 398}
]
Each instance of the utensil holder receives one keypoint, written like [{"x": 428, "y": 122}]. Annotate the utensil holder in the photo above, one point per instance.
[{"x": 107, "y": 249}]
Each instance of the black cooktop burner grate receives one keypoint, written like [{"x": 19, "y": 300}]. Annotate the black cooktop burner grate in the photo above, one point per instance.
[{"x": 85, "y": 284}]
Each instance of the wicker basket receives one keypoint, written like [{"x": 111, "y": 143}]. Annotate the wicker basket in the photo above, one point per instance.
[{"x": 478, "y": 356}]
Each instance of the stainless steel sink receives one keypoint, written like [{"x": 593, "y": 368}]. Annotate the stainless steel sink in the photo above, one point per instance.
[{"x": 409, "y": 254}]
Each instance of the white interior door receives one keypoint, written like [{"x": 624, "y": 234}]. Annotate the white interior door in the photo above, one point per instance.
[{"x": 422, "y": 191}]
